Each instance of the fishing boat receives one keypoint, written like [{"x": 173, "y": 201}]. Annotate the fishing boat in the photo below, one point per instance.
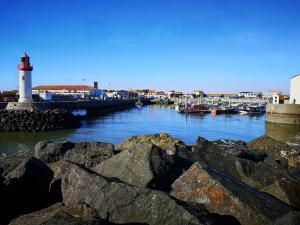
[
  {"x": 223, "y": 110},
  {"x": 253, "y": 109},
  {"x": 180, "y": 108},
  {"x": 139, "y": 104},
  {"x": 197, "y": 109}
]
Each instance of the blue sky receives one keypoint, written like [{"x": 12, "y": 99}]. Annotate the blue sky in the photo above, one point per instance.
[{"x": 214, "y": 45}]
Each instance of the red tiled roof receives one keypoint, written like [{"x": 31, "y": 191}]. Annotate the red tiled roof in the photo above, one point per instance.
[
  {"x": 225, "y": 95},
  {"x": 63, "y": 87}
]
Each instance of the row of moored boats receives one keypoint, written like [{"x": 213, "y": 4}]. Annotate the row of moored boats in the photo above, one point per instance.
[{"x": 200, "y": 109}]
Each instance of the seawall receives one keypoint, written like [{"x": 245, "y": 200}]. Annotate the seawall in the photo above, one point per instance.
[
  {"x": 283, "y": 114},
  {"x": 74, "y": 105}
]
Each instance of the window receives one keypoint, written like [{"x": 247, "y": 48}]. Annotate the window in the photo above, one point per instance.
[{"x": 23, "y": 77}]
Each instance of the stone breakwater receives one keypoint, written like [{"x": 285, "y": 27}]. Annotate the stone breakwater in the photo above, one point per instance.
[
  {"x": 37, "y": 120},
  {"x": 154, "y": 180}
]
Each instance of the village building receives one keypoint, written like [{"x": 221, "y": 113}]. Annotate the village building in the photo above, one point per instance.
[{"x": 295, "y": 90}]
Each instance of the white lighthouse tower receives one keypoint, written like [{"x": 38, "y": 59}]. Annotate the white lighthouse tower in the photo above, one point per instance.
[{"x": 25, "y": 84}]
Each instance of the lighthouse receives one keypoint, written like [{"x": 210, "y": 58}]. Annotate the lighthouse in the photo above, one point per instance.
[{"x": 25, "y": 85}]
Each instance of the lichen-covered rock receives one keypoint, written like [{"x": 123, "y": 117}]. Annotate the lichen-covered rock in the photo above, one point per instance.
[
  {"x": 277, "y": 149},
  {"x": 122, "y": 203},
  {"x": 164, "y": 141},
  {"x": 225, "y": 195},
  {"x": 143, "y": 165},
  {"x": 255, "y": 169}
]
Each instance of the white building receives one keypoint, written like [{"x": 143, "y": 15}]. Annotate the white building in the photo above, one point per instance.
[
  {"x": 25, "y": 83},
  {"x": 249, "y": 94},
  {"x": 295, "y": 90},
  {"x": 76, "y": 91}
]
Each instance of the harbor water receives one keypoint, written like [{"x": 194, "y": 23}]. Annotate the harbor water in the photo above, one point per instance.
[{"x": 116, "y": 127}]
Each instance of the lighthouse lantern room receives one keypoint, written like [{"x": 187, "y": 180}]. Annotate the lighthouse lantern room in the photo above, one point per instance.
[{"x": 25, "y": 84}]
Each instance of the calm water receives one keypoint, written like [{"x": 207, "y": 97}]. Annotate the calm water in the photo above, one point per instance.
[{"x": 116, "y": 127}]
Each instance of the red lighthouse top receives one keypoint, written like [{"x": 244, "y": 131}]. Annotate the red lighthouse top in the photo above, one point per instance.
[{"x": 25, "y": 63}]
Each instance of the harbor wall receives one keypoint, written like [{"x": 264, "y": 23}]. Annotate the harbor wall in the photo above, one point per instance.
[
  {"x": 283, "y": 114},
  {"x": 73, "y": 105}
]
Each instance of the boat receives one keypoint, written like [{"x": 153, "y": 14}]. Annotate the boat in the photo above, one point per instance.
[
  {"x": 180, "y": 108},
  {"x": 197, "y": 109},
  {"x": 223, "y": 110},
  {"x": 253, "y": 109},
  {"x": 139, "y": 104}
]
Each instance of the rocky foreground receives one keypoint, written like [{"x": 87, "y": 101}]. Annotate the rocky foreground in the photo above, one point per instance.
[{"x": 154, "y": 180}]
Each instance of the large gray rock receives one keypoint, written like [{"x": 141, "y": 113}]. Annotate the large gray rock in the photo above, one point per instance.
[
  {"x": 89, "y": 154},
  {"x": 167, "y": 143},
  {"x": 224, "y": 195},
  {"x": 49, "y": 152},
  {"x": 143, "y": 165},
  {"x": 8, "y": 163},
  {"x": 26, "y": 186},
  {"x": 83, "y": 153},
  {"x": 122, "y": 203},
  {"x": 277, "y": 149}
]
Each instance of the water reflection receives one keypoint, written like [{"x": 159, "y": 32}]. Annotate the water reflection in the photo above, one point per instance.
[
  {"x": 116, "y": 127},
  {"x": 283, "y": 132}
]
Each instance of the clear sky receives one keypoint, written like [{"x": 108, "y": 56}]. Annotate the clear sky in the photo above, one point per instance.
[{"x": 214, "y": 45}]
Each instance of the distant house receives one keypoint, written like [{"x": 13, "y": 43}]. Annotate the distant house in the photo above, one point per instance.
[
  {"x": 278, "y": 99},
  {"x": 198, "y": 93},
  {"x": 174, "y": 94},
  {"x": 161, "y": 95},
  {"x": 122, "y": 94},
  {"x": 295, "y": 90},
  {"x": 133, "y": 94},
  {"x": 151, "y": 93}
]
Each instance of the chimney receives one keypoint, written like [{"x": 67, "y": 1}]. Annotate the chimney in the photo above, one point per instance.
[{"x": 96, "y": 86}]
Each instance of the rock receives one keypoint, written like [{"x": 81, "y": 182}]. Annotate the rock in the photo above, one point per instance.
[
  {"x": 122, "y": 203},
  {"x": 143, "y": 165},
  {"x": 89, "y": 154},
  {"x": 255, "y": 169},
  {"x": 277, "y": 149},
  {"x": 59, "y": 214},
  {"x": 58, "y": 169},
  {"x": 293, "y": 218},
  {"x": 226, "y": 196},
  {"x": 8, "y": 163},
  {"x": 84, "y": 153},
  {"x": 27, "y": 187},
  {"x": 50, "y": 152},
  {"x": 164, "y": 141}
]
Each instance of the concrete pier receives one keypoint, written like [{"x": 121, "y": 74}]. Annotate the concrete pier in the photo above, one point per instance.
[{"x": 283, "y": 114}]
